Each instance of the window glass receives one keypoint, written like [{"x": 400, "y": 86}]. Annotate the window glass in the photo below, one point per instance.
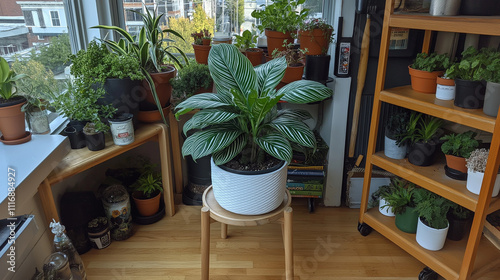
[{"x": 34, "y": 40}]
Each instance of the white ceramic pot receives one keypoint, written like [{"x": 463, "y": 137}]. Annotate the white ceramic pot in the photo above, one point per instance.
[
  {"x": 445, "y": 92},
  {"x": 244, "y": 194},
  {"x": 122, "y": 130},
  {"x": 444, "y": 7},
  {"x": 386, "y": 211},
  {"x": 475, "y": 180},
  {"x": 430, "y": 238},
  {"x": 392, "y": 150}
]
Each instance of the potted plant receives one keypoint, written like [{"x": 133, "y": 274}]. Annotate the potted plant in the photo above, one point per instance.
[
  {"x": 423, "y": 139},
  {"x": 151, "y": 47},
  {"x": 381, "y": 194},
  {"x": 11, "y": 116},
  {"x": 99, "y": 233},
  {"x": 249, "y": 139},
  {"x": 445, "y": 88},
  {"x": 469, "y": 74},
  {"x": 279, "y": 21},
  {"x": 94, "y": 135},
  {"x": 191, "y": 79},
  {"x": 118, "y": 74},
  {"x": 432, "y": 225},
  {"x": 476, "y": 166},
  {"x": 395, "y": 130},
  {"x": 457, "y": 147},
  {"x": 147, "y": 191},
  {"x": 246, "y": 44},
  {"x": 459, "y": 218},
  {"x": 200, "y": 46},
  {"x": 315, "y": 36},
  {"x": 402, "y": 202},
  {"x": 425, "y": 70},
  {"x": 294, "y": 59},
  {"x": 492, "y": 93}
]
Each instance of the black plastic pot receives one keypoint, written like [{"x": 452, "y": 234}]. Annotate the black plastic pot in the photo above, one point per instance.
[
  {"x": 458, "y": 227},
  {"x": 123, "y": 94},
  {"x": 480, "y": 7},
  {"x": 422, "y": 153},
  {"x": 75, "y": 136},
  {"x": 95, "y": 142},
  {"x": 469, "y": 94},
  {"x": 317, "y": 68}
]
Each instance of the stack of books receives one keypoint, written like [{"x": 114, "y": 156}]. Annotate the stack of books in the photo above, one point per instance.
[{"x": 306, "y": 181}]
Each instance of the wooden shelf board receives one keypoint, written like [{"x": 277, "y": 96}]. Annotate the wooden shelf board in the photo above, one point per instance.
[
  {"x": 446, "y": 262},
  {"x": 460, "y": 24},
  {"x": 431, "y": 177},
  {"x": 427, "y": 103}
]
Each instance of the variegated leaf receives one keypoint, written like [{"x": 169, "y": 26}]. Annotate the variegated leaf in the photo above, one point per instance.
[
  {"x": 276, "y": 145},
  {"x": 230, "y": 151},
  {"x": 269, "y": 74},
  {"x": 262, "y": 106},
  {"x": 209, "y": 141},
  {"x": 230, "y": 69},
  {"x": 305, "y": 91},
  {"x": 295, "y": 130},
  {"x": 295, "y": 113},
  {"x": 202, "y": 101},
  {"x": 208, "y": 117}
]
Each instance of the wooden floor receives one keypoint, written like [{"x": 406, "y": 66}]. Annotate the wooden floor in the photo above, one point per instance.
[{"x": 327, "y": 246}]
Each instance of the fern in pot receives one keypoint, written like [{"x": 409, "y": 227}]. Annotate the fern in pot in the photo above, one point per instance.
[
  {"x": 476, "y": 166},
  {"x": 401, "y": 200},
  {"x": 249, "y": 138}
]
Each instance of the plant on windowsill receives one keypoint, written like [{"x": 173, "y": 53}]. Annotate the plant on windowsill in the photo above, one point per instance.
[
  {"x": 11, "y": 117},
  {"x": 192, "y": 79},
  {"x": 425, "y": 70},
  {"x": 315, "y": 35},
  {"x": 295, "y": 62},
  {"x": 244, "y": 131},
  {"x": 151, "y": 47},
  {"x": 432, "y": 225},
  {"x": 200, "y": 46},
  {"x": 246, "y": 43},
  {"x": 147, "y": 190},
  {"x": 458, "y": 147},
  {"x": 476, "y": 167},
  {"x": 401, "y": 200},
  {"x": 280, "y": 21}
]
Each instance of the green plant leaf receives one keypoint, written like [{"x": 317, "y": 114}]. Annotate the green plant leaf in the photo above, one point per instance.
[
  {"x": 269, "y": 74},
  {"x": 230, "y": 151},
  {"x": 305, "y": 91},
  {"x": 208, "y": 117},
  {"x": 231, "y": 70},
  {"x": 275, "y": 145},
  {"x": 209, "y": 141},
  {"x": 295, "y": 130},
  {"x": 202, "y": 101}
]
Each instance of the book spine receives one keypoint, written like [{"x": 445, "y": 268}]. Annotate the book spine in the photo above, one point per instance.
[
  {"x": 307, "y": 196},
  {"x": 304, "y": 187},
  {"x": 296, "y": 172},
  {"x": 315, "y": 167},
  {"x": 315, "y": 193},
  {"x": 305, "y": 179}
]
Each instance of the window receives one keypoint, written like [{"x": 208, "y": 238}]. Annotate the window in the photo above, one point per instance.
[
  {"x": 54, "y": 16},
  {"x": 28, "y": 18}
]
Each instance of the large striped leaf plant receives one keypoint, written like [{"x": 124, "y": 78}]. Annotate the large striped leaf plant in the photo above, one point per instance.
[{"x": 243, "y": 114}]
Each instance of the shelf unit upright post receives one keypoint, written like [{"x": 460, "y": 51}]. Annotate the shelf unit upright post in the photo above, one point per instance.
[{"x": 457, "y": 260}]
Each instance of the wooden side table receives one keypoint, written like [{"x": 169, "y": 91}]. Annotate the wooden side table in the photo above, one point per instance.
[
  {"x": 212, "y": 211},
  {"x": 80, "y": 160}
]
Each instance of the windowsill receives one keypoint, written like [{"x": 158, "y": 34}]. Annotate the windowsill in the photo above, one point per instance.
[{"x": 32, "y": 162}]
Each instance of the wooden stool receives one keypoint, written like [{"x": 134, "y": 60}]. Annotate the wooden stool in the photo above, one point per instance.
[{"x": 212, "y": 211}]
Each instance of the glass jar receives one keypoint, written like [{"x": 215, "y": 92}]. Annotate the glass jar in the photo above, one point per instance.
[
  {"x": 116, "y": 202},
  {"x": 58, "y": 262}
]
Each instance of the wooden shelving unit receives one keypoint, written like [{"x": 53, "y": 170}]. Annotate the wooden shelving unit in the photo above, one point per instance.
[{"x": 469, "y": 258}]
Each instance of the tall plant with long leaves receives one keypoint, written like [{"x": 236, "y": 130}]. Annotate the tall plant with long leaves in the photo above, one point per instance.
[
  {"x": 148, "y": 48},
  {"x": 243, "y": 113}
]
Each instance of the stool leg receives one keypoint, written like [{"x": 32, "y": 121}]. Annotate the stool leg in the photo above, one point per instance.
[
  {"x": 205, "y": 243},
  {"x": 223, "y": 230},
  {"x": 288, "y": 240}
]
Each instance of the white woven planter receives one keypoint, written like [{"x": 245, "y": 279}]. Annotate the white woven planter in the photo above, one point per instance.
[
  {"x": 249, "y": 194},
  {"x": 430, "y": 238},
  {"x": 475, "y": 180},
  {"x": 387, "y": 210}
]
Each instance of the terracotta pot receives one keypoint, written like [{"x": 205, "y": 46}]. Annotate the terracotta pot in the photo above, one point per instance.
[
  {"x": 457, "y": 163},
  {"x": 293, "y": 73},
  {"x": 254, "y": 55},
  {"x": 163, "y": 89},
  {"x": 316, "y": 41},
  {"x": 206, "y": 42},
  {"x": 146, "y": 206},
  {"x": 152, "y": 116},
  {"x": 423, "y": 81},
  {"x": 201, "y": 53},
  {"x": 12, "y": 118},
  {"x": 275, "y": 40}
]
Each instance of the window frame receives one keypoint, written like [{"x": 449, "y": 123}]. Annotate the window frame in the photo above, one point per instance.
[{"x": 54, "y": 15}]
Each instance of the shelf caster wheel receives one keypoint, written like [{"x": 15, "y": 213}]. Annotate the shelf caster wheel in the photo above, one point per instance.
[
  {"x": 310, "y": 204},
  {"x": 427, "y": 274},
  {"x": 364, "y": 229}
]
